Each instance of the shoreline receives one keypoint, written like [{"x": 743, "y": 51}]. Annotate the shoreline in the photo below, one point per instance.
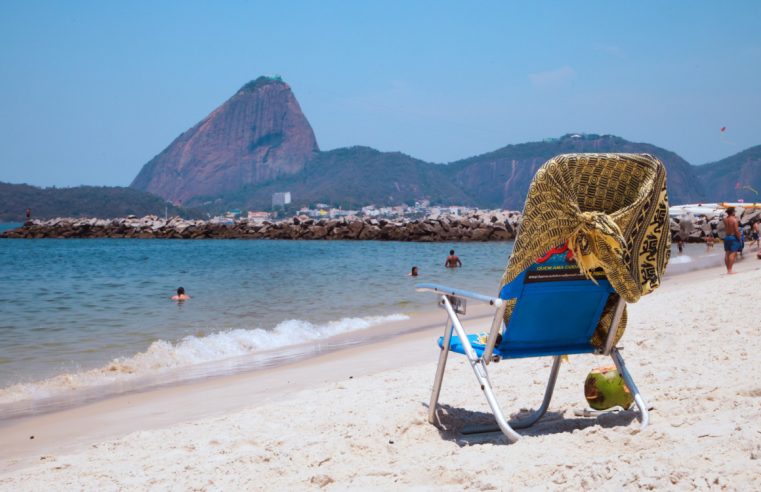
[
  {"x": 59, "y": 430},
  {"x": 129, "y": 374},
  {"x": 67, "y": 398},
  {"x": 391, "y": 381}
]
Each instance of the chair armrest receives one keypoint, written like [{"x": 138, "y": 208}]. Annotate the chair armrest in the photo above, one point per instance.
[{"x": 466, "y": 294}]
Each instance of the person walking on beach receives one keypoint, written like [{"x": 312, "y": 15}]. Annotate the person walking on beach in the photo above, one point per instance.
[
  {"x": 709, "y": 241},
  {"x": 732, "y": 241},
  {"x": 452, "y": 260},
  {"x": 754, "y": 235},
  {"x": 181, "y": 295}
]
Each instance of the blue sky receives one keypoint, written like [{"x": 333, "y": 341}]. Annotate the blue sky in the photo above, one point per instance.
[{"x": 90, "y": 91}]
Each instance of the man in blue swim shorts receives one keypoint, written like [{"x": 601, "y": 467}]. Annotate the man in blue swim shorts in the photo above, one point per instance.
[{"x": 732, "y": 241}]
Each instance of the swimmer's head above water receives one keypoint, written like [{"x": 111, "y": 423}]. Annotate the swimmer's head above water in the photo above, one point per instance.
[{"x": 181, "y": 295}]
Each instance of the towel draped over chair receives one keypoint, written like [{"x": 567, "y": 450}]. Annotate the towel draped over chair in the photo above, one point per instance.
[{"x": 612, "y": 212}]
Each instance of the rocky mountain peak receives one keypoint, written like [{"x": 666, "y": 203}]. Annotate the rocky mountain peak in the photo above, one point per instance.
[
  {"x": 263, "y": 81},
  {"x": 259, "y": 134}
]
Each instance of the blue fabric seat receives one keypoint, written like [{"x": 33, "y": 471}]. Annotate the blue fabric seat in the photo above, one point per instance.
[
  {"x": 478, "y": 341},
  {"x": 556, "y": 312}
]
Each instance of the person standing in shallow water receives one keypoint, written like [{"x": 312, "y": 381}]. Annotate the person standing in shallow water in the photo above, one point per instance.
[
  {"x": 181, "y": 295},
  {"x": 452, "y": 260},
  {"x": 732, "y": 241}
]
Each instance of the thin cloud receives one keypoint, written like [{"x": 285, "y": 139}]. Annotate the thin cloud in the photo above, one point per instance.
[{"x": 552, "y": 78}]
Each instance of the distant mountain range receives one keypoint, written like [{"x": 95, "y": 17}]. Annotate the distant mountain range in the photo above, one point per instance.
[
  {"x": 738, "y": 176},
  {"x": 356, "y": 176},
  {"x": 259, "y": 142},
  {"x": 501, "y": 178}
]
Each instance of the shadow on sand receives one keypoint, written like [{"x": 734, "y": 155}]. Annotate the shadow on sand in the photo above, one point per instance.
[{"x": 453, "y": 420}]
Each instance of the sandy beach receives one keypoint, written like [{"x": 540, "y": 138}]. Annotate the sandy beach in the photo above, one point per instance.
[{"x": 355, "y": 418}]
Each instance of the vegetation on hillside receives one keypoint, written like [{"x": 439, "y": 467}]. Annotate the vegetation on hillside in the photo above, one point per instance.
[
  {"x": 485, "y": 176},
  {"x": 80, "y": 201},
  {"x": 356, "y": 176},
  {"x": 738, "y": 177},
  {"x": 350, "y": 178},
  {"x": 262, "y": 81}
]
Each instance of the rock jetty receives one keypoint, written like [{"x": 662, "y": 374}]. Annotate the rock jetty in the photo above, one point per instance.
[
  {"x": 695, "y": 228},
  {"x": 479, "y": 226}
]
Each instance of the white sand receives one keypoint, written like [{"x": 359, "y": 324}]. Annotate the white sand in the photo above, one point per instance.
[{"x": 692, "y": 347}]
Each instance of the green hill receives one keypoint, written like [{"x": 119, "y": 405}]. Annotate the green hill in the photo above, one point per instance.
[
  {"x": 501, "y": 178},
  {"x": 351, "y": 177},
  {"x": 735, "y": 177},
  {"x": 355, "y": 176},
  {"x": 80, "y": 201}
]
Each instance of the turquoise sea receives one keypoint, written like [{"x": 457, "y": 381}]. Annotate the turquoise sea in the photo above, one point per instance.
[{"x": 79, "y": 314}]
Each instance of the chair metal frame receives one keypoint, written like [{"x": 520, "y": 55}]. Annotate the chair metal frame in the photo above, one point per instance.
[{"x": 479, "y": 364}]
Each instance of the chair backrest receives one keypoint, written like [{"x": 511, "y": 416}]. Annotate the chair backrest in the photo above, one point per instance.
[{"x": 557, "y": 309}]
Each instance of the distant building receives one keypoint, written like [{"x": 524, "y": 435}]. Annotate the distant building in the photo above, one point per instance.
[
  {"x": 222, "y": 220},
  {"x": 337, "y": 212},
  {"x": 281, "y": 199},
  {"x": 258, "y": 217}
]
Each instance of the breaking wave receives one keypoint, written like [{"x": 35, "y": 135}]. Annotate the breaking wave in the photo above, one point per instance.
[{"x": 162, "y": 357}]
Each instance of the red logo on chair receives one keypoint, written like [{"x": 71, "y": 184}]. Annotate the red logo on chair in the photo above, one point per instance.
[{"x": 563, "y": 248}]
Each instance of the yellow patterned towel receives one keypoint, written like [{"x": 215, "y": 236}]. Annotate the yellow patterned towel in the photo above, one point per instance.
[{"x": 612, "y": 210}]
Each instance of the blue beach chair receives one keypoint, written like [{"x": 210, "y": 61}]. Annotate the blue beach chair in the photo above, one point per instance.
[
  {"x": 611, "y": 211},
  {"x": 556, "y": 312}
]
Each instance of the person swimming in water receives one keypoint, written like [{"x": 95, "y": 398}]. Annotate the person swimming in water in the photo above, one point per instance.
[
  {"x": 181, "y": 295},
  {"x": 413, "y": 272}
]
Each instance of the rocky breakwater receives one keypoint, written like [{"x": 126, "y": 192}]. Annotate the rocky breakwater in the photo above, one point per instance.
[
  {"x": 494, "y": 226},
  {"x": 692, "y": 228}
]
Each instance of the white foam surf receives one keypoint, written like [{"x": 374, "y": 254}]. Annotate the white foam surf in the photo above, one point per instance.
[{"x": 163, "y": 357}]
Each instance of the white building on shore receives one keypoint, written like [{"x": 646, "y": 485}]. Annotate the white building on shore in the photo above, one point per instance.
[{"x": 281, "y": 199}]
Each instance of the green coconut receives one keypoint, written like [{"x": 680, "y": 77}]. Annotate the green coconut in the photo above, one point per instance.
[{"x": 604, "y": 388}]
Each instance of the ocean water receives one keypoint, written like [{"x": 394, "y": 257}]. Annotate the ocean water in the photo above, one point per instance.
[
  {"x": 95, "y": 315},
  {"x": 85, "y": 318},
  {"x": 4, "y": 226}
]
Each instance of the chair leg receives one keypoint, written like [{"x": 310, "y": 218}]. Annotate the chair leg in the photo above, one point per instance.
[
  {"x": 479, "y": 369},
  {"x": 535, "y": 415},
  {"x": 539, "y": 413},
  {"x": 481, "y": 374},
  {"x": 439, "y": 378},
  {"x": 618, "y": 360}
]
